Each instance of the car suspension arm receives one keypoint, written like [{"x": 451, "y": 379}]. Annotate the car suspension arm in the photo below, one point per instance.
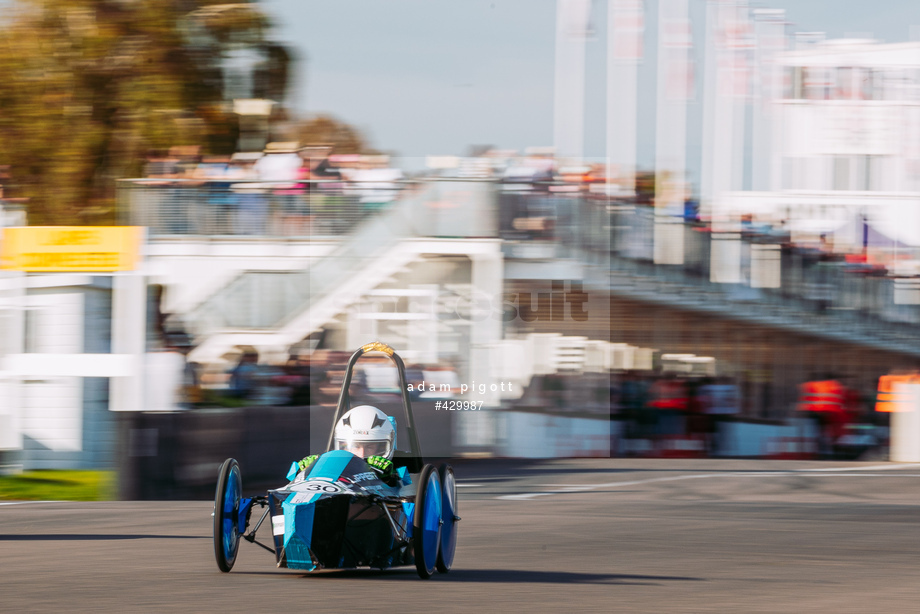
[
  {"x": 251, "y": 536},
  {"x": 398, "y": 533}
]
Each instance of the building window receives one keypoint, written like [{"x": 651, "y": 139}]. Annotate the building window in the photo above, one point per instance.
[
  {"x": 901, "y": 84},
  {"x": 861, "y": 173},
  {"x": 30, "y": 331},
  {"x": 794, "y": 173},
  {"x": 817, "y": 83},
  {"x": 793, "y": 83},
  {"x": 873, "y": 85},
  {"x": 843, "y": 88},
  {"x": 875, "y": 173},
  {"x": 841, "y": 173},
  {"x": 913, "y": 87}
]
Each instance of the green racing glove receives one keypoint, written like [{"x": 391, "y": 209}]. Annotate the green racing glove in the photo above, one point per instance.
[
  {"x": 306, "y": 462},
  {"x": 382, "y": 465}
]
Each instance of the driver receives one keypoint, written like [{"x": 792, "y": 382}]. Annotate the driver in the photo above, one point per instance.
[{"x": 367, "y": 432}]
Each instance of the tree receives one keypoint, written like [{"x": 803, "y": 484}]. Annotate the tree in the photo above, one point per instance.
[
  {"x": 645, "y": 187},
  {"x": 89, "y": 87},
  {"x": 327, "y": 130}
]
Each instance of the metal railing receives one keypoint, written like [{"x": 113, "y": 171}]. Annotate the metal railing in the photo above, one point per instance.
[
  {"x": 815, "y": 294},
  {"x": 248, "y": 208}
]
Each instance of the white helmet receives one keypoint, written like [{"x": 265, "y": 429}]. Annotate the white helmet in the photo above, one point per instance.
[{"x": 366, "y": 431}]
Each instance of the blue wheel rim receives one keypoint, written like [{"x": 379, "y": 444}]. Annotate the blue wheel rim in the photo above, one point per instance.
[
  {"x": 449, "y": 529},
  {"x": 229, "y": 513},
  {"x": 431, "y": 520}
]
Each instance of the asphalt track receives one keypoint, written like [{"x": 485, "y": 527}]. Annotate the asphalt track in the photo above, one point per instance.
[{"x": 553, "y": 536}]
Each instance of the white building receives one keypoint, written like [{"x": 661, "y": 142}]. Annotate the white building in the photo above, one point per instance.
[{"x": 847, "y": 140}]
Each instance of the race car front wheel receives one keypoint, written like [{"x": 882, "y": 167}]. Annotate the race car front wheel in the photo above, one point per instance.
[
  {"x": 426, "y": 522},
  {"x": 226, "y": 514},
  {"x": 450, "y": 518}
]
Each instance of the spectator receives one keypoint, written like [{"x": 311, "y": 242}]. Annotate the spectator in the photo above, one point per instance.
[
  {"x": 180, "y": 342},
  {"x": 374, "y": 181},
  {"x": 279, "y": 170},
  {"x": 244, "y": 376},
  {"x": 297, "y": 379},
  {"x": 634, "y": 397},
  {"x": 250, "y": 206},
  {"x": 215, "y": 172},
  {"x": 719, "y": 400}
]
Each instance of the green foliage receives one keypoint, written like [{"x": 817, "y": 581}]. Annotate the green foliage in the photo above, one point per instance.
[
  {"x": 89, "y": 87},
  {"x": 59, "y": 486},
  {"x": 325, "y": 130},
  {"x": 216, "y": 398},
  {"x": 645, "y": 188}
]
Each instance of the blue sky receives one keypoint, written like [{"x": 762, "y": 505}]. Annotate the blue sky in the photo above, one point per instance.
[{"x": 422, "y": 77}]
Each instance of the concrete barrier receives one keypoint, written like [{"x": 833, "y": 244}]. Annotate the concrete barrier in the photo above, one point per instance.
[
  {"x": 540, "y": 435},
  {"x": 905, "y": 425},
  {"x": 171, "y": 455}
]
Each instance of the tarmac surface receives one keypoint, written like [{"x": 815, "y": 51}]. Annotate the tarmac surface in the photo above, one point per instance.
[{"x": 594, "y": 535}]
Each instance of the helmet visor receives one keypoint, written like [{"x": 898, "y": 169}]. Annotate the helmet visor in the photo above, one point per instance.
[{"x": 365, "y": 448}]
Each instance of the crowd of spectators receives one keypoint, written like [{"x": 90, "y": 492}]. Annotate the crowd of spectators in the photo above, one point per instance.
[
  {"x": 288, "y": 190},
  {"x": 285, "y": 190},
  {"x": 655, "y": 406},
  {"x": 310, "y": 379}
]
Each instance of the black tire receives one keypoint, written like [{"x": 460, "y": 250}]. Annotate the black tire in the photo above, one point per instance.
[
  {"x": 226, "y": 514},
  {"x": 449, "y": 518},
  {"x": 426, "y": 522}
]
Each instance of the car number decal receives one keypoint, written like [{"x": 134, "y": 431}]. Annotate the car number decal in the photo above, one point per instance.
[{"x": 317, "y": 486}]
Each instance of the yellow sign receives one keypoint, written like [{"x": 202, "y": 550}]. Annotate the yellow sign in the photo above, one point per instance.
[{"x": 65, "y": 249}]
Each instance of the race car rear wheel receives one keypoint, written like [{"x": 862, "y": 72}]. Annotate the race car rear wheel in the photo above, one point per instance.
[
  {"x": 449, "y": 517},
  {"x": 426, "y": 522},
  {"x": 226, "y": 514}
]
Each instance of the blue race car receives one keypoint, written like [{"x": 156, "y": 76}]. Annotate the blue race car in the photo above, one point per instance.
[{"x": 338, "y": 513}]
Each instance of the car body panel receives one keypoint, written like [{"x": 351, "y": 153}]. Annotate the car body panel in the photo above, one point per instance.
[{"x": 325, "y": 517}]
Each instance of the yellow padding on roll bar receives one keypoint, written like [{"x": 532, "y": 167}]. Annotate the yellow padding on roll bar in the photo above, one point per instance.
[{"x": 378, "y": 346}]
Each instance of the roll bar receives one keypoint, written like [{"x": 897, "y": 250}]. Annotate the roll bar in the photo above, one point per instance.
[{"x": 414, "y": 460}]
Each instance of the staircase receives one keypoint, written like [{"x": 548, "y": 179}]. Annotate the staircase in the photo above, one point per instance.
[{"x": 272, "y": 308}]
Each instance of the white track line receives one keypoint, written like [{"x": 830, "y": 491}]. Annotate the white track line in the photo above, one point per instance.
[
  {"x": 587, "y": 487},
  {"x": 888, "y": 467},
  {"x": 793, "y": 472}
]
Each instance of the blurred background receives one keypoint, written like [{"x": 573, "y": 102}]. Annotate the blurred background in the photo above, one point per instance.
[{"x": 673, "y": 228}]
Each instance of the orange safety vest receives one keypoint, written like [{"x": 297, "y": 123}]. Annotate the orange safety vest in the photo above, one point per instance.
[
  {"x": 827, "y": 395},
  {"x": 890, "y": 399}
]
